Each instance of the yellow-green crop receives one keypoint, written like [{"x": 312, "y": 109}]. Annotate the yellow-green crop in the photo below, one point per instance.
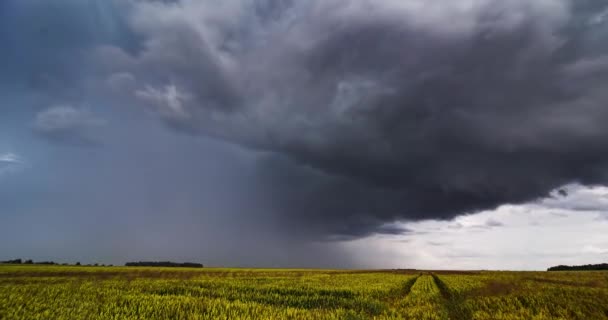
[{"x": 57, "y": 292}]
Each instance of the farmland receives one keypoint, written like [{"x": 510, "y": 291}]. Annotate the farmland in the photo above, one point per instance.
[{"x": 69, "y": 292}]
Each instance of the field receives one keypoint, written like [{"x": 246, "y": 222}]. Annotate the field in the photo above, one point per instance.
[{"x": 66, "y": 292}]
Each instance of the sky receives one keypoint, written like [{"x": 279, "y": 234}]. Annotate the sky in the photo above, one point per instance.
[{"x": 452, "y": 134}]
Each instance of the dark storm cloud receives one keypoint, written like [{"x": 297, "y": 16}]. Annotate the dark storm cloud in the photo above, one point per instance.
[
  {"x": 385, "y": 110},
  {"x": 369, "y": 111}
]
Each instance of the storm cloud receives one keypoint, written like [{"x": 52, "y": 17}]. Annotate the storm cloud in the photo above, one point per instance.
[
  {"x": 376, "y": 111},
  {"x": 356, "y": 113}
]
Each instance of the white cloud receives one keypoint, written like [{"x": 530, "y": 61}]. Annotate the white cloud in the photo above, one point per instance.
[
  {"x": 532, "y": 236},
  {"x": 594, "y": 250}
]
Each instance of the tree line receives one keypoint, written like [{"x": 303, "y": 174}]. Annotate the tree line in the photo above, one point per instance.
[
  {"x": 51, "y": 263},
  {"x": 164, "y": 264},
  {"x": 128, "y": 264},
  {"x": 587, "y": 267}
]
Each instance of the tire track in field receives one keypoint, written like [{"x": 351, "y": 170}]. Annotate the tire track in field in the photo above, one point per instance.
[
  {"x": 400, "y": 293},
  {"x": 455, "y": 303},
  {"x": 424, "y": 301},
  {"x": 407, "y": 286}
]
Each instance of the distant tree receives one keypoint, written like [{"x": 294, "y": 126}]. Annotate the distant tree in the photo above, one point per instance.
[
  {"x": 587, "y": 267},
  {"x": 96, "y": 265},
  {"x": 77, "y": 263},
  {"x": 164, "y": 264},
  {"x": 29, "y": 261},
  {"x": 16, "y": 261}
]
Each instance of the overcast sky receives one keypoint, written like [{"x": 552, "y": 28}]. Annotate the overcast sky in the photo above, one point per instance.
[{"x": 449, "y": 134}]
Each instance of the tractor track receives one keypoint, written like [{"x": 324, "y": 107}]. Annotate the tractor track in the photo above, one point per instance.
[
  {"x": 455, "y": 303},
  {"x": 407, "y": 286}
]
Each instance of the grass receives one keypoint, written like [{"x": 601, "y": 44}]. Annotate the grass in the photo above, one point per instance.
[{"x": 64, "y": 292}]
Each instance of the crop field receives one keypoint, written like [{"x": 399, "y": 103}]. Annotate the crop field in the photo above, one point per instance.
[{"x": 69, "y": 292}]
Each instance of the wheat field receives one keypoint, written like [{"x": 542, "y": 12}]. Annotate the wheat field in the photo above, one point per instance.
[{"x": 70, "y": 292}]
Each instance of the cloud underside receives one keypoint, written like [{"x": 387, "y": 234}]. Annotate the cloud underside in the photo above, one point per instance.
[{"x": 376, "y": 111}]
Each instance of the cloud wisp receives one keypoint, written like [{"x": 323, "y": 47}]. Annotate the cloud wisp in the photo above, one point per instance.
[
  {"x": 8, "y": 162},
  {"x": 9, "y": 158},
  {"x": 69, "y": 125}
]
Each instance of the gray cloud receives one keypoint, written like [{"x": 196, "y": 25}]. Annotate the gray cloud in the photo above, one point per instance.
[
  {"x": 491, "y": 223},
  {"x": 436, "y": 244}
]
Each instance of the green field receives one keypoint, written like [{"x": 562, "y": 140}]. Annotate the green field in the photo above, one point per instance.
[{"x": 65, "y": 292}]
